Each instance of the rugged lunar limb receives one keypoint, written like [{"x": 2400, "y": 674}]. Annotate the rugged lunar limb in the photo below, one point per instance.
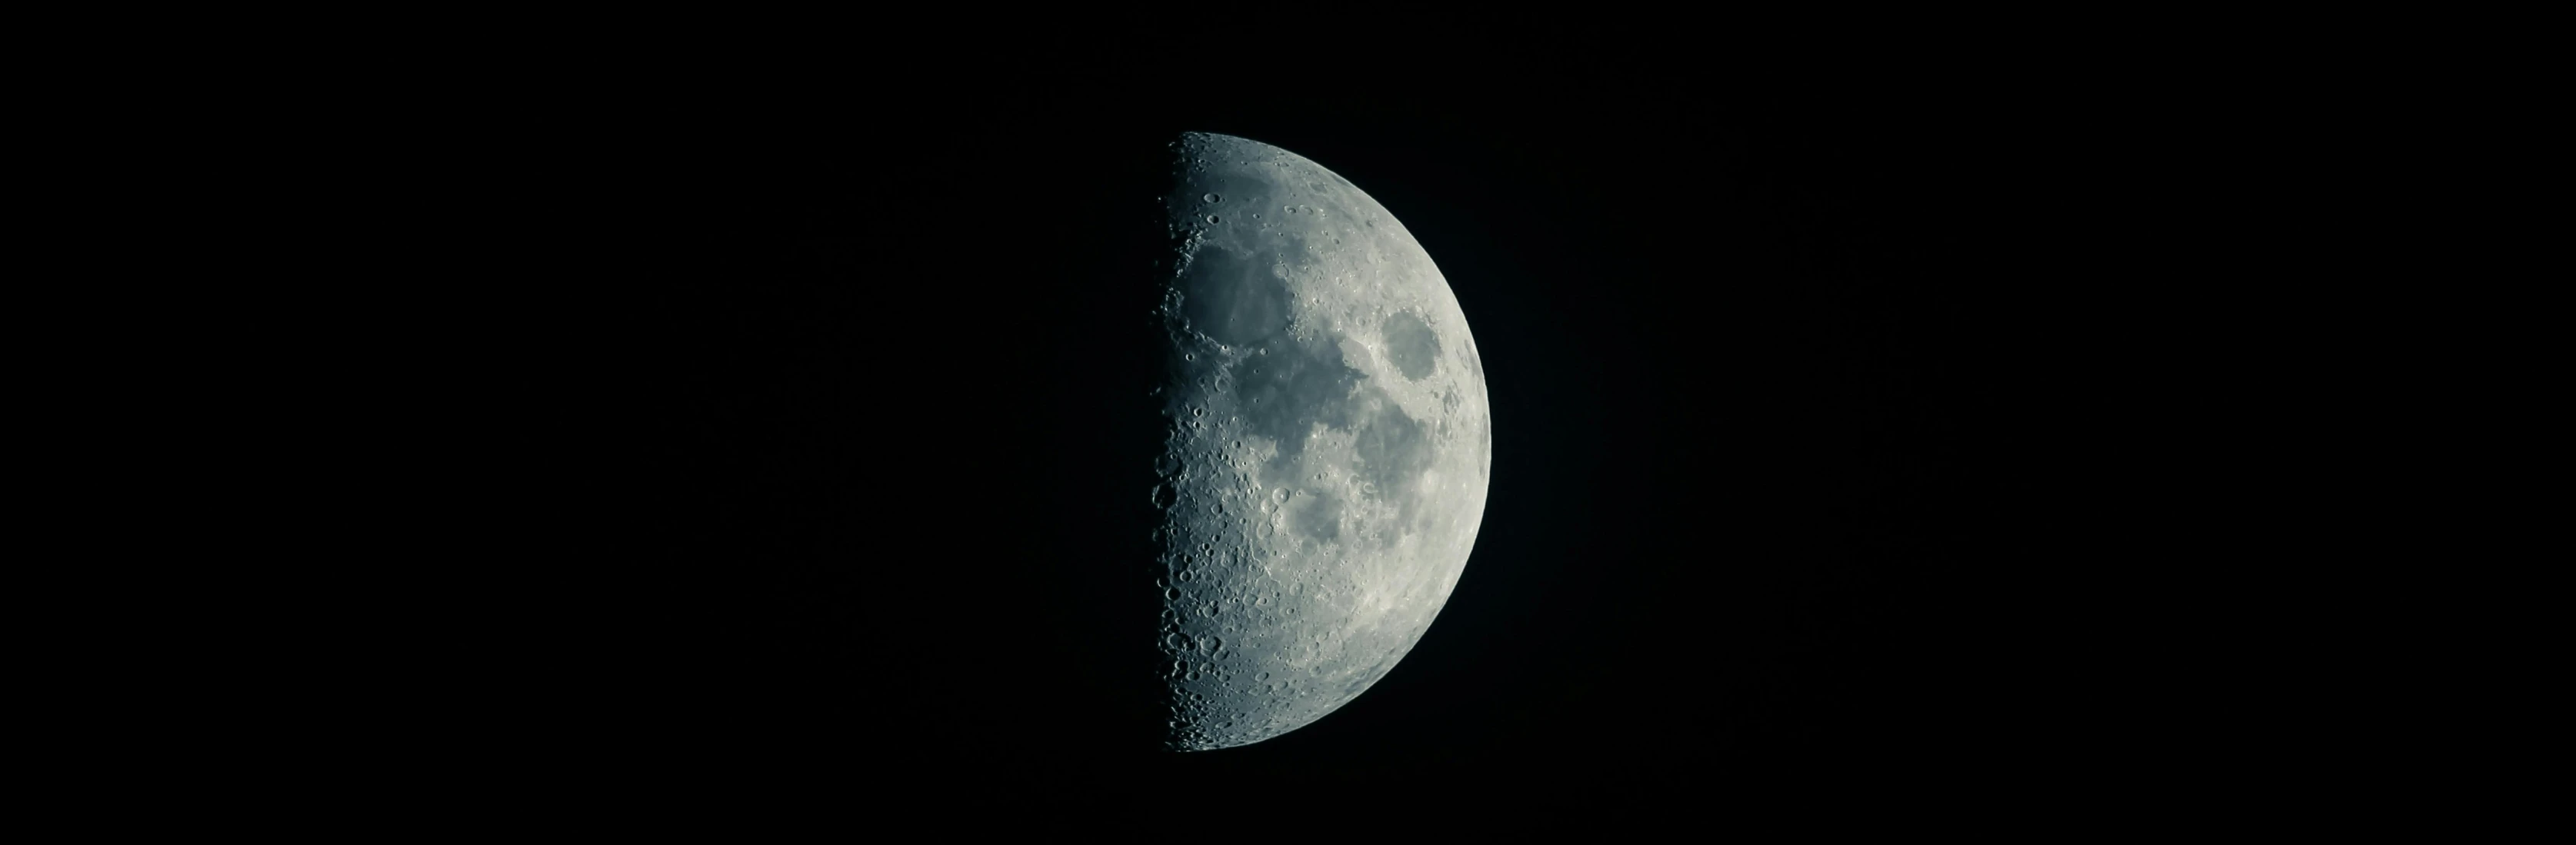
[{"x": 1327, "y": 445}]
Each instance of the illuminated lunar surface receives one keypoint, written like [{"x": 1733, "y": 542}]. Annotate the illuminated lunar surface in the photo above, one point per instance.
[{"x": 1327, "y": 443}]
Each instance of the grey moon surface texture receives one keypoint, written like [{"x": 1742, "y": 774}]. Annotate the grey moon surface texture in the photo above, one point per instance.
[{"x": 1327, "y": 443}]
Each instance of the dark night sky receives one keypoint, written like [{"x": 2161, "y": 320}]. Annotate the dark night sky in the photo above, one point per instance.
[{"x": 1796, "y": 465}]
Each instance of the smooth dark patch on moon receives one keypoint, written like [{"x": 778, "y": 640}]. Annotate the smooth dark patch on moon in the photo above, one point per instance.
[
  {"x": 1288, "y": 387},
  {"x": 1393, "y": 451},
  {"x": 1410, "y": 345},
  {"x": 1236, "y": 194},
  {"x": 1236, "y": 300},
  {"x": 1317, "y": 516}
]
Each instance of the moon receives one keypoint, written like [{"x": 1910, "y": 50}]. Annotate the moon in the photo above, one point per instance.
[{"x": 1327, "y": 443}]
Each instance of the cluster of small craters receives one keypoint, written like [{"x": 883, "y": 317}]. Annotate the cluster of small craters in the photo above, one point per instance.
[{"x": 1231, "y": 599}]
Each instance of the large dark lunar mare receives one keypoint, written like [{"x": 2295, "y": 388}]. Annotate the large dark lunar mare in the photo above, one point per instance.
[{"x": 1235, "y": 299}]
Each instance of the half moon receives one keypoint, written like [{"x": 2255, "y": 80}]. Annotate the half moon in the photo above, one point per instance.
[{"x": 1327, "y": 443}]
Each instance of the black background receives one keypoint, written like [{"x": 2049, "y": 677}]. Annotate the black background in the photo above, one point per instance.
[{"x": 1798, "y": 470}]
